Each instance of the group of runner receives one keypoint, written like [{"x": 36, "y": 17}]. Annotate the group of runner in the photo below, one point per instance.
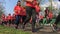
[{"x": 26, "y": 14}]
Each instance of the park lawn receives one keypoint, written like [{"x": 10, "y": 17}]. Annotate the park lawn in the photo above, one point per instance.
[{"x": 8, "y": 30}]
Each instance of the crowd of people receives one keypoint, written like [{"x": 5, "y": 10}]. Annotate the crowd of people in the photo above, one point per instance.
[{"x": 28, "y": 13}]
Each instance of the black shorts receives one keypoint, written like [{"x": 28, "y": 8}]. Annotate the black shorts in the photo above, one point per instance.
[
  {"x": 13, "y": 21},
  {"x": 4, "y": 22},
  {"x": 23, "y": 18},
  {"x": 9, "y": 21}
]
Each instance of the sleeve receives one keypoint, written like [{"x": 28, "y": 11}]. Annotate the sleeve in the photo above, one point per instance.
[{"x": 15, "y": 10}]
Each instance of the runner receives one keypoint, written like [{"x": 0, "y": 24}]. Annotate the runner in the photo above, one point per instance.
[
  {"x": 30, "y": 11},
  {"x": 41, "y": 17},
  {"x": 9, "y": 19},
  {"x": 37, "y": 8},
  {"x": 13, "y": 20},
  {"x": 4, "y": 20},
  {"x": 50, "y": 15},
  {"x": 17, "y": 10},
  {"x": 56, "y": 22},
  {"x": 23, "y": 16}
]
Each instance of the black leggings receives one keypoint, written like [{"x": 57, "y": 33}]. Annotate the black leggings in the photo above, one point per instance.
[
  {"x": 30, "y": 12},
  {"x": 23, "y": 18}
]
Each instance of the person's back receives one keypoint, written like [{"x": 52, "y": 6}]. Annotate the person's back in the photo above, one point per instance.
[
  {"x": 4, "y": 19},
  {"x": 29, "y": 3},
  {"x": 37, "y": 8},
  {"x": 30, "y": 11},
  {"x": 50, "y": 15}
]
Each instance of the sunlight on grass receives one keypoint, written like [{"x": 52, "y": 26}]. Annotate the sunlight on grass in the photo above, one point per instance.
[{"x": 6, "y": 30}]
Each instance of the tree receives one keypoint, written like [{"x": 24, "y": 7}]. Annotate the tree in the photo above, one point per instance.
[
  {"x": 1, "y": 9},
  {"x": 50, "y": 4}
]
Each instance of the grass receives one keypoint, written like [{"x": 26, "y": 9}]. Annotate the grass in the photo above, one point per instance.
[{"x": 6, "y": 30}]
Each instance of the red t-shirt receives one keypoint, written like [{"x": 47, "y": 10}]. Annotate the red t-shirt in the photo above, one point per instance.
[
  {"x": 41, "y": 17},
  {"x": 37, "y": 8},
  {"x": 13, "y": 17},
  {"x": 34, "y": 2},
  {"x": 28, "y": 3},
  {"x": 3, "y": 17},
  {"x": 9, "y": 17},
  {"x": 17, "y": 10},
  {"x": 23, "y": 12},
  {"x": 50, "y": 15},
  {"x": 6, "y": 19},
  {"x": 31, "y": 4}
]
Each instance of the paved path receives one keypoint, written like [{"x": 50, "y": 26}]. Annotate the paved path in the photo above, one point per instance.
[{"x": 45, "y": 30}]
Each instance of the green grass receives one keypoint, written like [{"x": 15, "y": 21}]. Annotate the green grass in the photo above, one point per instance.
[{"x": 7, "y": 30}]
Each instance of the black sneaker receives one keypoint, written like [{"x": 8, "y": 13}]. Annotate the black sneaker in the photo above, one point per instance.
[{"x": 34, "y": 30}]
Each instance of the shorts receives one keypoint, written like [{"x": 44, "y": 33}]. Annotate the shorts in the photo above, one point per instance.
[
  {"x": 4, "y": 22},
  {"x": 9, "y": 21},
  {"x": 13, "y": 21}
]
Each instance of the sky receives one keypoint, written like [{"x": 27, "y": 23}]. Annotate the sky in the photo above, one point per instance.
[{"x": 9, "y": 5}]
